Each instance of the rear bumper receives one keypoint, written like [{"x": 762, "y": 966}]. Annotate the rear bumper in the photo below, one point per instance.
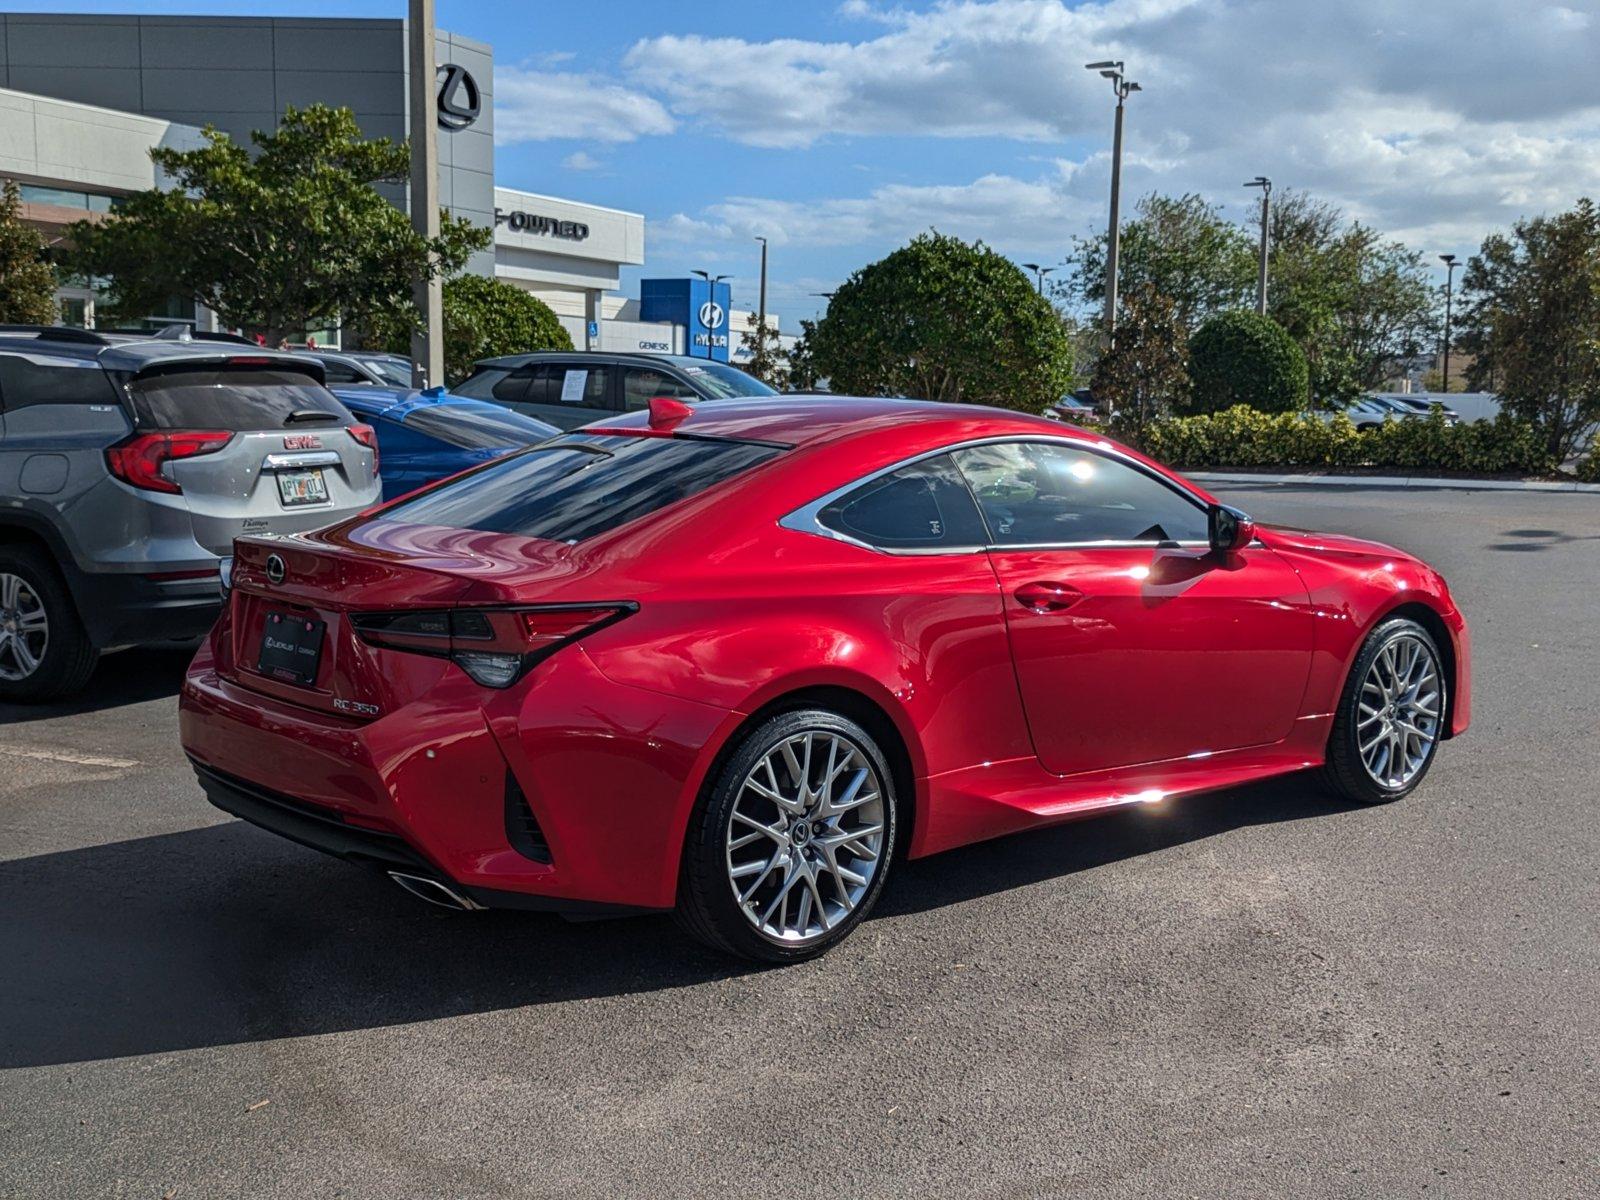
[
  {"x": 607, "y": 773},
  {"x": 119, "y": 609}
]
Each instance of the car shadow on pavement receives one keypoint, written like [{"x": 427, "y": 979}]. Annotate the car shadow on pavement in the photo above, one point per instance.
[
  {"x": 225, "y": 934},
  {"x": 130, "y": 676}
]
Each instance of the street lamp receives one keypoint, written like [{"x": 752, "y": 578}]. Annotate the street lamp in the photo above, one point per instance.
[
  {"x": 1123, "y": 88},
  {"x": 711, "y": 288},
  {"x": 1038, "y": 274},
  {"x": 761, "y": 309},
  {"x": 1450, "y": 264},
  {"x": 1265, "y": 184}
]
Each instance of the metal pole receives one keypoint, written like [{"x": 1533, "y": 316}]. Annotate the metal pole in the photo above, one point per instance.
[
  {"x": 427, "y": 343},
  {"x": 761, "y": 311},
  {"x": 1114, "y": 236},
  {"x": 1266, "y": 219},
  {"x": 1449, "y": 280}
]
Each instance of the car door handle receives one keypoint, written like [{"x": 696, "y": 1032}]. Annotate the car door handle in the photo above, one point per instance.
[{"x": 1044, "y": 596}]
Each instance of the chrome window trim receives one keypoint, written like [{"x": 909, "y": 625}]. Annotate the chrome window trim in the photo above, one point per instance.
[{"x": 807, "y": 518}]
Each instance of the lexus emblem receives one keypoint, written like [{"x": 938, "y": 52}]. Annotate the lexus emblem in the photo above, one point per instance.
[
  {"x": 275, "y": 569},
  {"x": 459, "y": 101}
]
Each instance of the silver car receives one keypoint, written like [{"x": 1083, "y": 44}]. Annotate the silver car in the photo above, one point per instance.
[{"x": 127, "y": 467}]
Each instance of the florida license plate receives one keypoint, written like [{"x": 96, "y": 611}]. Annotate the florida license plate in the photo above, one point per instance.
[{"x": 302, "y": 487}]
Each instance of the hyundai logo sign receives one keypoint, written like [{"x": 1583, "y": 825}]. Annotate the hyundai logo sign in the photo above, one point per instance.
[
  {"x": 459, "y": 101},
  {"x": 711, "y": 315}
]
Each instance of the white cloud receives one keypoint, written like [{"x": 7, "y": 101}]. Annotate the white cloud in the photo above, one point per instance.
[
  {"x": 581, "y": 160},
  {"x": 532, "y": 105}
]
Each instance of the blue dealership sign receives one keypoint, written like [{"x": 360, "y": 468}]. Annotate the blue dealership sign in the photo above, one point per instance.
[{"x": 695, "y": 305}]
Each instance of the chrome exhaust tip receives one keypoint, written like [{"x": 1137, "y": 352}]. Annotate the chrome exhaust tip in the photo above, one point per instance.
[{"x": 434, "y": 892}]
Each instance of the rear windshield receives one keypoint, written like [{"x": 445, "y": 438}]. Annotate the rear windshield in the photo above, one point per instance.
[
  {"x": 396, "y": 371},
  {"x": 581, "y": 486},
  {"x": 722, "y": 382},
  {"x": 472, "y": 428},
  {"x": 236, "y": 400}
]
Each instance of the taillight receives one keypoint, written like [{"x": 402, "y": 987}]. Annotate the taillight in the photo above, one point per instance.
[
  {"x": 138, "y": 458},
  {"x": 368, "y": 437},
  {"x": 495, "y": 646}
]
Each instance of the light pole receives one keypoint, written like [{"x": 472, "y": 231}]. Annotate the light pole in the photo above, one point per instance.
[
  {"x": 1123, "y": 88},
  {"x": 427, "y": 343},
  {"x": 711, "y": 288},
  {"x": 1265, "y": 184},
  {"x": 761, "y": 310},
  {"x": 1450, "y": 264},
  {"x": 1038, "y": 274}
]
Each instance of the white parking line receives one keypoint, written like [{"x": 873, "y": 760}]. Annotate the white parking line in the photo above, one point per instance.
[{"x": 63, "y": 756}]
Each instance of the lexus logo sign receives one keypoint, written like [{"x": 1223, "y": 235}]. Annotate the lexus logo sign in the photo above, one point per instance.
[
  {"x": 459, "y": 101},
  {"x": 711, "y": 315},
  {"x": 276, "y": 569}
]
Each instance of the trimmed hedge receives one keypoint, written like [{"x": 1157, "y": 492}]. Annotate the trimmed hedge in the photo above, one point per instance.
[
  {"x": 1589, "y": 465},
  {"x": 1242, "y": 357},
  {"x": 1243, "y": 437}
]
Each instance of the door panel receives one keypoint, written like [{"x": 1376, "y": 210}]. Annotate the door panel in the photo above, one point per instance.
[{"x": 1136, "y": 655}]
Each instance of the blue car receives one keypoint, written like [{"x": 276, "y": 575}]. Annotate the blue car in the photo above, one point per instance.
[{"x": 425, "y": 436}]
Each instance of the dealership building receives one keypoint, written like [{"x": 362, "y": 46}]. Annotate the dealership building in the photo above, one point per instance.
[{"x": 83, "y": 99}]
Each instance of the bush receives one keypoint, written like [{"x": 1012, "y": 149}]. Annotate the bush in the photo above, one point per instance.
[
  {"x": 483, "y": 318},
  {"x": 1589, "y": 465},
  {"x": 1242, "y": 357},
  {"x": 1243, "y": 437}
]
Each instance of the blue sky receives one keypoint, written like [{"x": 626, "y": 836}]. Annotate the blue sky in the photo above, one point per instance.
[{"x": 839, "y": 130}]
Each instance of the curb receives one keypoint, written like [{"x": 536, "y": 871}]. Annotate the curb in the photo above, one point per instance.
[{"x": 1397, "y": 481}]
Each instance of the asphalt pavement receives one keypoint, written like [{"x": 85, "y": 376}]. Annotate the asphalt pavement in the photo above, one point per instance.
[{"x": 1259, "y": 993}]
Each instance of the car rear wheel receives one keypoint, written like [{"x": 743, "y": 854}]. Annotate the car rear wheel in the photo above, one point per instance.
[
  {"x": 790, "y": 845},
  {"x": 44, "y": 652},
  {"x": 1390, "y": 717}
]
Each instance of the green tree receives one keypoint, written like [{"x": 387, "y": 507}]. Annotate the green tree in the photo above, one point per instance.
[
  {"x": 803, "y": 375},
  {"x": 483, "y": 318},
  {"x": 942, "y": 319},
  {"x": 289, "y": 237},
  {"x": 1531, "y": 316},
  {"x": 1242, "y": 357},
  {"x": 761, "y": 343},
  {"x": 27, "y": 281},
  {"x": 1143, "y": 373},
  {"x": 1353, "y": 301},
  {"x": 1181, "y": 246}
]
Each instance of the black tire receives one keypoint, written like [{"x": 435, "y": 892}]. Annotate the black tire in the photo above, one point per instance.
[
  {"x": 1346, "y": 771},
  {"x": 708, "y": 908},
  {"x": 68, "y": 658}
]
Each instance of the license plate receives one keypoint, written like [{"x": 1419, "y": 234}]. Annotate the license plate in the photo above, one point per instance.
[
  {"x": 291, "y": 648},
  {"x": 302, "y": 487}
]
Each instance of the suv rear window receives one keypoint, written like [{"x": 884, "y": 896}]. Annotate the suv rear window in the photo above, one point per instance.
[
  {"x": 237, "y": 400},
  {"x": 578, "y": 487}
]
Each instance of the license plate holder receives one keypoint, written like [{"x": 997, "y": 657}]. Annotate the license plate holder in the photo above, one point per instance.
[
  {"x": 306, "y": 486},
  {"x": 291, "y": 648}
]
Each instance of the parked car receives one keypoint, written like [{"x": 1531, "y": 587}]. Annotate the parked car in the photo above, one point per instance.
[
  {"x": 360, "y": 368},
  {"x": 739, "y": 659},
  {"x": 1075, "y": 408},
  {"x": 1362, "y": 414},
  {"x": 1421, "y": 406},
  {"x": 426, "y": 436},
  {"x": 573, "y": 388},
  {"x": 127, "y": 467}
]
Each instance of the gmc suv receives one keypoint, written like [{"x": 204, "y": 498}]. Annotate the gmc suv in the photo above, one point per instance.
[{"x": 128, "y": 465}]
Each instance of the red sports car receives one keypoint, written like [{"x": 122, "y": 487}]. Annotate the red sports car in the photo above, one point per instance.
[{"x": 735, "y": 660}]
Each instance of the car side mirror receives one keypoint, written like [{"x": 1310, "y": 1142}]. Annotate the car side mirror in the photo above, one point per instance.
[{"x": 1230, "y": 530}]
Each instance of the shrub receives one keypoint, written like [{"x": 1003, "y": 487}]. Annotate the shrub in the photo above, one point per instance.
[
  {"x": 1243, "y": 437},
  {"x": 1589, "y": 465},
  {"x": 1242, "y": 357}
]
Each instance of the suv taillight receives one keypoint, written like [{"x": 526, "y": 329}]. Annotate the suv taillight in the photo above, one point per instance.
[
  {"x": 495, "y": 646},
  {"x": 137, "y": 459},
  {"x": 368, "y": 437}
]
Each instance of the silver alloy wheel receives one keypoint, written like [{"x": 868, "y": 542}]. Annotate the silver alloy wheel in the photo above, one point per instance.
[
  {"x": 24, "y": 628},
  {"x": 805, "y": 837},
  {"x": 1399, "y": 711}
]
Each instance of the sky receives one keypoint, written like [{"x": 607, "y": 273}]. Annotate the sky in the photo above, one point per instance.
[{"x": 841, "y": 130}]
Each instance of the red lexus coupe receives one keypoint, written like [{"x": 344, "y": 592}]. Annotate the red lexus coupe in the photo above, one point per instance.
[{"x": 738, "y": 659}]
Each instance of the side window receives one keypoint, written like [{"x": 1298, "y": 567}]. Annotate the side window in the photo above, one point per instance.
[
  {"x": 1036, "y": 493},
  {"x": 26, "y": 381},
  {"x": 579, "y": 387},
  {"x": 924, "y": 506},
  {"x": 338, "y": 372},
  {"x": 513, "y": 386},
  {"x": 640, "y": 385}
]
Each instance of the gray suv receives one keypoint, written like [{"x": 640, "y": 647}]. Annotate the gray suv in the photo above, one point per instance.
[{"x": 127, "y": 467}]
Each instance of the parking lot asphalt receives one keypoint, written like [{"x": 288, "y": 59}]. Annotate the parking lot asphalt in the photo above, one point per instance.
[{"x": 1255, "y": 993}]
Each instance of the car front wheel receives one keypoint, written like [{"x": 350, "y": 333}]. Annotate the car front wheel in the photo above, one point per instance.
[
  {"x": 791, "y": 843},
  {"x": 1390, "y": 717}
]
